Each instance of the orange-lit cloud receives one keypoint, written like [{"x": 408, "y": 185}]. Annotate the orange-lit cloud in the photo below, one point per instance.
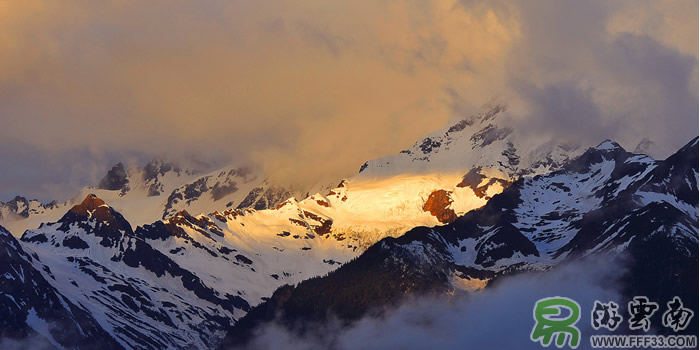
[{"x": 310, "y": 88}]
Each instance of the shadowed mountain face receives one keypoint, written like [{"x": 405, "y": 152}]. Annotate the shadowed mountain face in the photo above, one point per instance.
[
  {"x": 607, "y": 201},
  {"x": 115, "y": 180},
  {"x": 32, "y": 307}
]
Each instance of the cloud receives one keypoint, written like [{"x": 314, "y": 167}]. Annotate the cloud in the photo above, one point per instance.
[
  {"x": 313, "y": 90},
  {"x": 580, "y": 75},
  {"x": 34, "y": 341},
  {"x": 499, "y": 317}
]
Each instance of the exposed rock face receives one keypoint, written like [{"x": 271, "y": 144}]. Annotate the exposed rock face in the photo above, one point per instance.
[
  {"x": 250, "y": 199},
  {"x": 18, "y": 206},
  {"x": 153, "y": 172},
  {"x": 438, "y": 204},
  {"x": 260, "y": 198},
  {"x": 428, "y": 144},
  {"x": 21, "y": 208},
  {"x": 489, "y": 135},
  {"x": 363, "y": 167},
  {"x": 474, "y": 178},
  {"x": 186, "y": 194},
  {"x": 116, "y": 179},
  {"x": 221, "y": 190},
  {"x": 220, "y": 185}
]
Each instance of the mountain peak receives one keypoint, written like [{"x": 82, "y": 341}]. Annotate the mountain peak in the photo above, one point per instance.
[
  {"x": 609, "y": 145},
  {"x": 89, "y": 205},
  {"x": 182, "y": 214},
  {"x": 95, "y": 217},
  {"x": 92, "y": 207},
  {"x": 115, "y": 179}
]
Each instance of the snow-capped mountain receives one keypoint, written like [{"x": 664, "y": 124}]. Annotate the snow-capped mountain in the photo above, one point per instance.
[
  {"x": 229, "y": 188},
  {"x": 152, "y": 180},
  {"x": 33, "y": 307},
  {"x": 446, "y": 174},
  {"x": 183, "y": 281},
  {"x": 157, "y": 191},
  {"x": 21, "y": 208},
  {"x": 605, "y": 201},
  {"x": 178, "y": 278},
  {"x": 140, "y": 297},
  {"x": 137, "y": 191},
  {"x": 464, "y": 166},
  {"x": 484, "y": 143}
]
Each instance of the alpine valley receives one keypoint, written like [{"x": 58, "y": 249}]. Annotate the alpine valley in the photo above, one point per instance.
[{"x": 160, "y": 257}]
